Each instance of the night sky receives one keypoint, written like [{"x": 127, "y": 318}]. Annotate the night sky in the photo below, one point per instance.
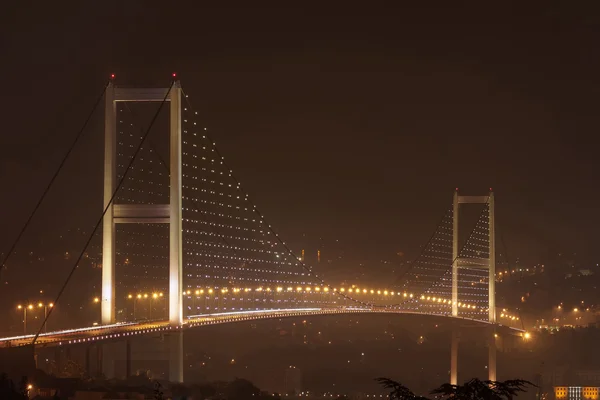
[{"x": 344, "y": 123}]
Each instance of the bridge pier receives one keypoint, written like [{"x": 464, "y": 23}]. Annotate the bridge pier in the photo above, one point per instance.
[
  {"x": 107, "y": 359},
  {"x": 162, "y": 355},
  {"x": 88, "y": 361},
  {"x": 492, "y": 354},
  {"x": 491, "y": 341},
  {"x": 57, "y": 357},
  {"x": 98, "y": 359},
  {"x": 176, "y": 357},
  {"x": 454, "y": 356},
  {"x": 93, "y": 360},
  {"x": 127, "y": 358}
]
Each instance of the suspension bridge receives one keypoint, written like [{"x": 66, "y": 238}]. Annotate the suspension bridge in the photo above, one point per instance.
[{"x": 185, "y": 224}]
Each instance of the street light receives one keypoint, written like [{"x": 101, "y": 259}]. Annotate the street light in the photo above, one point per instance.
[
  {"x": 140, "y": 296},
  {"x": 133, "y": 298},
  {"x": 154, "y": 297},
  {"x": 46, "y": 307},
  {"x": 25, "y": 308}
]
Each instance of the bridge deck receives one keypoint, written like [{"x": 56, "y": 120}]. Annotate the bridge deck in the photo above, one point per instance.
[{"x": 124, "y": 330}]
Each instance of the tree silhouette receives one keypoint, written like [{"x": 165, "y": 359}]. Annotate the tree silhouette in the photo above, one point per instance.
[
  {"x": 484, "y": 390},
  {"x": 398, "y": 391},
  {"x": 158, "y": 393},
  {"x": 474, "y": 389},
  {"x": 203, "y": 391},
  {"x": 8, "y": 390},
  {"x": 241, "y": 389}
]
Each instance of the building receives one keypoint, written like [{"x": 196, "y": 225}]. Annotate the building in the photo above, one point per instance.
[{"x": 576, "y": 392}]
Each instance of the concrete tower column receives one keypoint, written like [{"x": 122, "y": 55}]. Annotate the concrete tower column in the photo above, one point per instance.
[
  {"x": 454, "y": 356},
  {"x": 176, "y": 356},
  {"x": 455, "y": 255},
  {"x": 492, "y": 260},
  {"x": 491, "y": 333},
  {"x": 108, "y": 225},
  {"x": 492, "y": 289},
  {"x": 175, "y": 213}
]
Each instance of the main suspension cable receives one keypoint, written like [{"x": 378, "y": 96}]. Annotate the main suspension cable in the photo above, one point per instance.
[{"x": 51, "y": 183}]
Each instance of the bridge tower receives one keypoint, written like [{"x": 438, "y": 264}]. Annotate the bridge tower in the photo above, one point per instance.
[
  {"x": 142, "y": 213},
  {"x": 487, "y": 263}
]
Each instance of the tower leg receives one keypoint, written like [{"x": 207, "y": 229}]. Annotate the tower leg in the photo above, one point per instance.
[
  {"x": 108, "y": 360},
  {"x": 455, "y": 255},
  {"x": 99, "y": 362},
  {"x": 175, "y": 245},
  {"x": 492, "y": 290},
  {"x": 492, "y": 355},
  {"x": 454, "y": 357},
  {"x": 88, "y": 361},
  {"x": 176, "y": 357},
  {"x": 128, "y": 359},
  {"x": 57, "y": 359},
  {"x": 108, "y": 226},
  {"x": 492, "y": 256}
]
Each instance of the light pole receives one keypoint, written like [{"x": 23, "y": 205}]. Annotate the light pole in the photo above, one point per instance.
[
  {"x": 132, "y": 298},
  {"x": 25, "y": 308},
  {"x": 138, "y": 297},
  {"x": 96, "y": 301},
  {"x": 154, "y": 297},
  {"x": 46, "y": 306}
]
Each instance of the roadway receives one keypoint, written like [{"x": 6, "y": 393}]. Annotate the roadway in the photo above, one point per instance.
[{"x": 124, "y": 330}]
